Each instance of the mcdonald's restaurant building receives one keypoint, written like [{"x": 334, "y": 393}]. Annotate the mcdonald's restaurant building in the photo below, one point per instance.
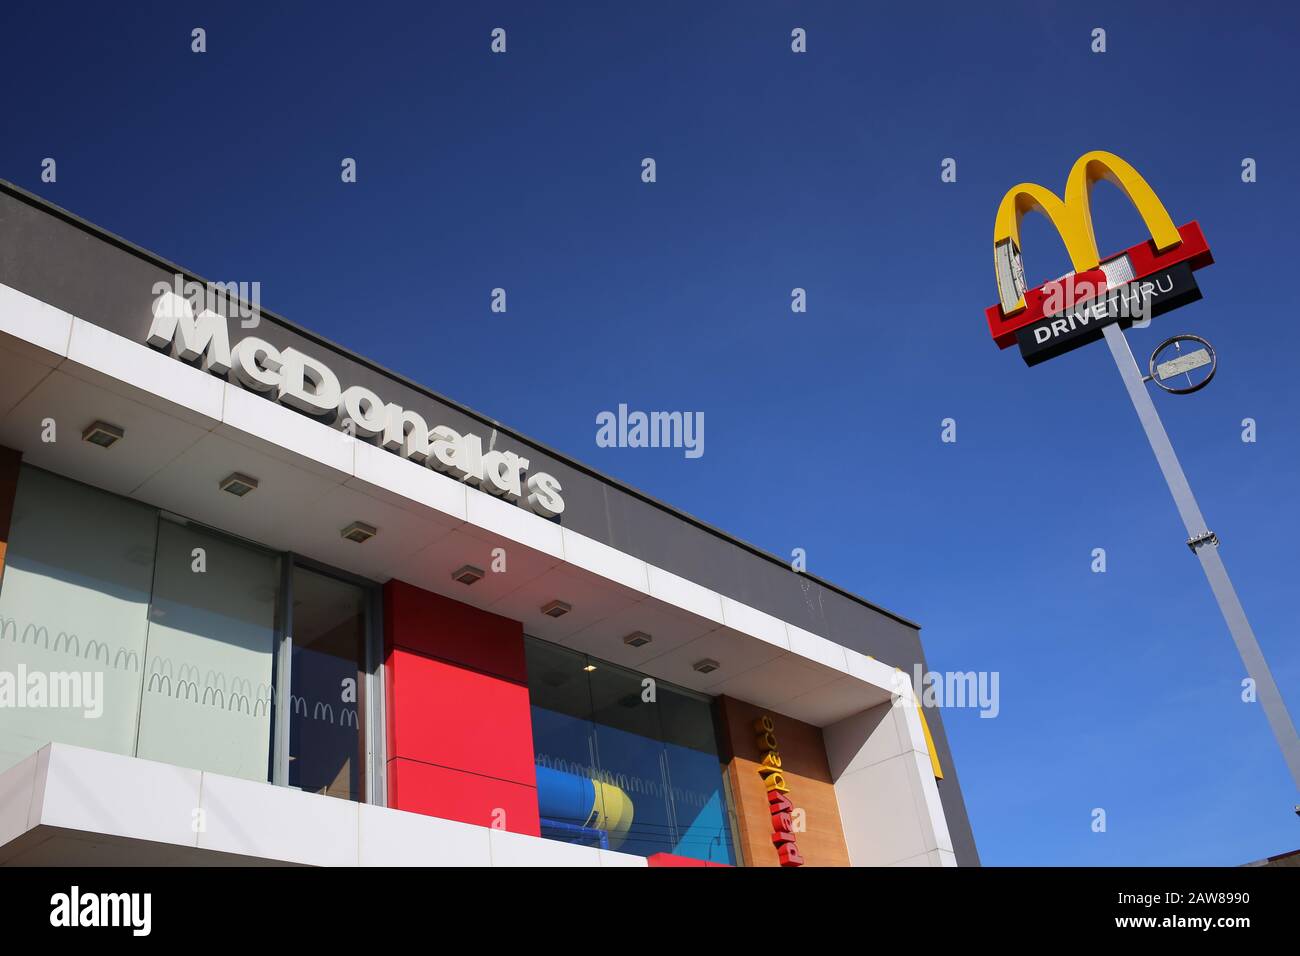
[{"x": 264, "y": 601}]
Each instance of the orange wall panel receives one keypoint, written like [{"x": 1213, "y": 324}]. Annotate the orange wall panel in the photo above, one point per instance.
[{"x": 807, "y": 774}]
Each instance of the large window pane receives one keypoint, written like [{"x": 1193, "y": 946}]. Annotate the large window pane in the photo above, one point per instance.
[
  {"x": 207, "y": 693},
  {"x": 73, "y": 600},
  {"x": 631, "y": 757},
  {"x": 622, "y": 763},
  {"x": 571, "y": 805},
  {"x": 167, "y": 633},
  {"x": 701, "y": 820},
  {"x": 327, "y": 686}
]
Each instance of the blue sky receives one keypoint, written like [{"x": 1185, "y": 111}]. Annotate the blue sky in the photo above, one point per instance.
[{"x": 821, "y": 171}]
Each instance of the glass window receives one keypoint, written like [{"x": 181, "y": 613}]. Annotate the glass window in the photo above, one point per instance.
[
  {"x": 73, "y": 617},
  {"x": 701, "y": 818},
  {"x": 630, "y": 754},
  {"x": 327, "y": 686},
  {"x": 564, "y": 744},
  {"x": 212, "y": 628},
  {"x": 161, "y": 638},
  {"x": 624, "y": 764}
]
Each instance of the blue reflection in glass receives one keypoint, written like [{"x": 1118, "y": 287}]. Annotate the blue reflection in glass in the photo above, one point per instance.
[{"x": 621, "y": 769}]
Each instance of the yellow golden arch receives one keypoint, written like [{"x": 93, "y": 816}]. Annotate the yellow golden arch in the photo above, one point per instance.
[{"x": 1072, "y": 217}]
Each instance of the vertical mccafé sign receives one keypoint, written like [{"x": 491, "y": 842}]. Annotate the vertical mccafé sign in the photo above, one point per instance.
[
  {"x": 309, "y": 386},
  {"x": 778, "y": 799}
]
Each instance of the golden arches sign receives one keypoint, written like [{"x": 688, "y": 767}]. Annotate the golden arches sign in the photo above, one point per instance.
[{"x": 1072, "y": 218}]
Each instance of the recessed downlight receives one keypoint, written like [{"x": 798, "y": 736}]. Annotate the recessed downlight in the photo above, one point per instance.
[
  {"x": 706, "y": 666},
  {"x": 238, "y": 484},
  {"x": 102, "y": 434},
  {"x": 589, "y": 668},
  {"x": 637, "y": 639},
  {"x": 467, "y": 574},
  {"x": 556, "y": 608},
  {"x": 359, "y": 532}
]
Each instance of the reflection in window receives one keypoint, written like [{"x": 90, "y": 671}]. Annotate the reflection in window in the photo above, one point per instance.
[
  {"x": 630, "y": 755},
  {"x": 571, "y": 799},
  {"x": 327, "y": 686},
  {"x": 621, "y": 767}
]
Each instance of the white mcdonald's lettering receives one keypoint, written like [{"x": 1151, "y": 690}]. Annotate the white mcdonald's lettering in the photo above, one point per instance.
[{"x": 309, "y": 386}]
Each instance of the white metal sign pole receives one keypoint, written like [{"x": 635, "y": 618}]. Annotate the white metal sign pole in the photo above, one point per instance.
[{"x": 1206, "y": 546}]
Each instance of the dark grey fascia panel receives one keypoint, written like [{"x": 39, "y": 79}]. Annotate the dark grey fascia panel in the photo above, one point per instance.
[{"x": 110, "y": 285}]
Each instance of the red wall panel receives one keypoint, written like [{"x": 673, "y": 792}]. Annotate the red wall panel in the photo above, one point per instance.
[
  {"x": 10, "y": 461},
  {"x": 467, "y": 797},
  {"x": 460, "y": 735},
  {"x": 449, "y": 715},
  {"x": 669, "y": 859},
  {"x": 431, "y": 624}
]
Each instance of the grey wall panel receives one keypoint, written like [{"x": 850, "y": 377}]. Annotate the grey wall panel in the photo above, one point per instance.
[{"x": 954, "y": 804}]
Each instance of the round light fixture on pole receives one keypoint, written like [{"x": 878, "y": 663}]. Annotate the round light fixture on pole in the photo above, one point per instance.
[{"x": 1182, "y": 364}]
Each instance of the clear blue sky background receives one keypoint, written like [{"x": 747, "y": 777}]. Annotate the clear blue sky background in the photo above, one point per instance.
[{"x": 1119, "y": 690}]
